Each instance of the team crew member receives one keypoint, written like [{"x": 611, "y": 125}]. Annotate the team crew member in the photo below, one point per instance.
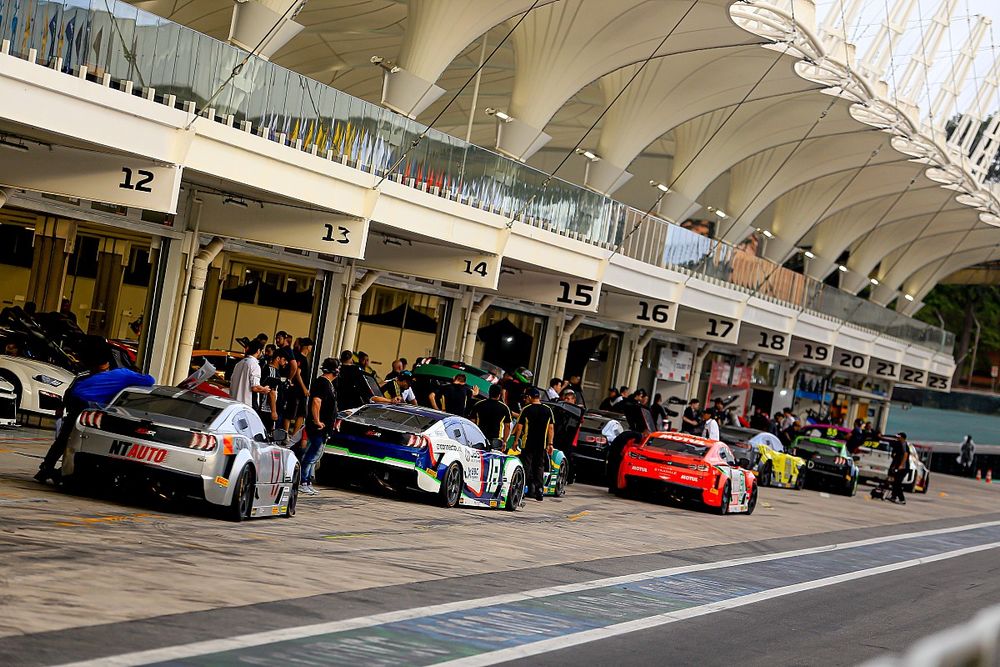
[
  {"x": 270, "y": 377},
  {"x": 898, "y": 468},
  {"x": 455, "y": 397},
  {"x": 609, "y": 400},
  {"x": 690, "y": 422},
  {"x": 397, "y": 368},
  {"x": 364, "y": 363},
  {"x": 397, "y": 390},
  {"x": 94, "y": 388},
  {"x": 535, "y": 432},
  {"x": 245, "y": 382},
  {"x": 711, "y": 427},
  {"x": 492, "y": 415},
  {"x": 319, "y": 425},
  {"x": 568, "y": 396},
  {"x": 555, "y": 386},
  {"x": 298, "y": 376}
]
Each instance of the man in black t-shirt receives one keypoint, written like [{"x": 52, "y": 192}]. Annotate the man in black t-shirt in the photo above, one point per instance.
[
  {"x": 534, "y": 432},
  {"x": 691, "y": 421},
  {"x": 322, "y": 413},
  {"x": 352, "y": 389},
  {"x": 492, "y": 415},
  {"x": 454, "y": 398}
]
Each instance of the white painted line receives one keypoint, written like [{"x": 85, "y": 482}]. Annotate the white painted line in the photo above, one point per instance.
[
  {"x": 181, "y": 651},
  {"x": 597, "y": 634}
]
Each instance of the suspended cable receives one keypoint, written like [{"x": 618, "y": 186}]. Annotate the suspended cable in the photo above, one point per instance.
[{"x": 416, "y": 140}]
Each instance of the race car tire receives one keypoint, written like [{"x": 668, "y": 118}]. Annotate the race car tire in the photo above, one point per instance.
[
  {"x": 516, "y": 493},
  {"x": 800, "y": 480},
  {"x": 451, "y": 486},
  {"x": 766, "y": 475},
  {"x": 927, "y": 484},
  {"x": 293, "y": 496},
  {"x": 725, "y": 499},
  {"x": 242, "y": 502},
  {"x": 562, "y": 479},
  {"x": 852, "y": 490},
  {"x": 752, "y": 502}
]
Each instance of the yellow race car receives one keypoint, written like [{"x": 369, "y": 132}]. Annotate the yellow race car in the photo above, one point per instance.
[{"x": 763, "y": 454}]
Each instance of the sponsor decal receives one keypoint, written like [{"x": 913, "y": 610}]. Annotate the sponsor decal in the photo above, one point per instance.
[
  {"x": 689, "y": 478},
  {"x": 143, "y": 453},
  {"x": 274, "y": 510},
  {"x": 639, "y": 468},
  {"x": 494, "y": 503},
  {"x": 714, "y": 492},
  {"x": 145, "y": 431},
  {"x": 372, "y": 433},
  {"x": 222, "y": 481}
]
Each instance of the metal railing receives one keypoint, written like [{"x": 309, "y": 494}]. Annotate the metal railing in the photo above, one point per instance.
[{"x": 181, "y": 67}]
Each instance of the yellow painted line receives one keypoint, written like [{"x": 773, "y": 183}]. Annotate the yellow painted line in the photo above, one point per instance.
[
  {"x": 942, "y": 494},
  {"x": 114, "y": 518},
  {"x": 578, "y": 515},
  {"x": 5, "y": 451}
]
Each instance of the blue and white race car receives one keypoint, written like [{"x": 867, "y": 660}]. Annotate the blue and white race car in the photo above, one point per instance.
[{"x": 432, "y": 451}]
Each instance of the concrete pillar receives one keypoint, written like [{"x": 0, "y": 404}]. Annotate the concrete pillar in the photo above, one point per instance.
[
  {"x": 699, "y": 360},
  {"x": 209, "y": 305},
  {"x": 568, "y": 329},
  {"x": 328, "y": 324},
  {"x": 638, "y": 350},
  {"x": 112, "y": 257},
  {"x": 358, "y": 289},
  {"x": 549, "y": 342},
  {"x": 472, "y": 326},
  {"x": 53, "y": 243},
  {"x": 191, "y": 312},
  {"x": 455, "y": 333},
  {"x": 158, "y": 337}
]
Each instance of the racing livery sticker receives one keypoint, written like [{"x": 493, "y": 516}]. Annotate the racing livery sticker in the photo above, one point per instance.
[{"x": 143, "y": 453}]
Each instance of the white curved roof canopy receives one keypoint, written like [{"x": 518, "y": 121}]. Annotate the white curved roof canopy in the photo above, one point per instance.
[{"x": 744, "y": 105}]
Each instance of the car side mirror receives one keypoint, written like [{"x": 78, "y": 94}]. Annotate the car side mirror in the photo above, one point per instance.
[
  {"x": 279, "y": 435},
  {"x": 497, "y": 445}
]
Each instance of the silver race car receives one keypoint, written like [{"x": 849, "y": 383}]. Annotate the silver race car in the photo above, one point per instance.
[{"x": 182, "y": 443}]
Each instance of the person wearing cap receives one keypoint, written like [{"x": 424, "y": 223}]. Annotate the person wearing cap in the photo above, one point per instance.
[
  {"x": 93, "y": 388},
  {"x": 319, "y": 425},
  {"x": 534, "y": 434},
  {"x": 568, "y": 396},
  {"x": 397, "y": 390}
]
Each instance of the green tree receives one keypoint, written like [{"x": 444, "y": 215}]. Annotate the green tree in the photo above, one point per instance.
[{"x": 959, "y": 306}]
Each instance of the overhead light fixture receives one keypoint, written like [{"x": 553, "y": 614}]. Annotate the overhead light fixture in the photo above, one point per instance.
[
  {"x": 590, "y": 155},
  {"x": 809, "y": 254},
  {"x": 490, "y": 111},
  {"x": 722, "y": 214},
  {"x": 659, "y": 186},
  {"x": 13, "y": 145},
  {"x": 842, "y": 268},
  {"x": 874, "y": 281},
  {"x": 235, "y": 202},
  {"x": 908, "y": 297},
  {"x": 767, "y": 233},
  {"x": 387, "y": 65}
]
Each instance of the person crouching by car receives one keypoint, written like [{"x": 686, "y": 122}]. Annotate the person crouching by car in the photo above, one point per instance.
[
  {"x": 535, "y": 432},
  {"x": 321, "y": 415},
  {"x": 94, "y": 388}
]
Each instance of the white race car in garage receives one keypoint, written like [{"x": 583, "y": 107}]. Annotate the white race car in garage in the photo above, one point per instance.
[
  {"x": 178, "y": 443},
  {"x": 38, "y": 386},
  {"x": 8, "y": 404}
]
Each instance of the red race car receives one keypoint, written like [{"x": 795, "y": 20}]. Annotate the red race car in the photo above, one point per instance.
[{"x": 687, "y": 467}]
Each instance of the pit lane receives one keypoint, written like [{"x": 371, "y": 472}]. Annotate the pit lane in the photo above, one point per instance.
[{"x": 83, "y": 577}]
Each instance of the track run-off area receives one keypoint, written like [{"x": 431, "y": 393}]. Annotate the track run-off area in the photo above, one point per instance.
[{"x": 361, "y": 577}]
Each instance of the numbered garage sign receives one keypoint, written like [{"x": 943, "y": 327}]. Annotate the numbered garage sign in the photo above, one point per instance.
[
  {"x": 641, "y": 311},
  {"x": 288, "y": 226},
  {"x": 425, "y": 260},
  {"x": 938, "y": 382},
  {"x": 884, "y": 370},
  {"x": 551, "y": 290},
  {"x": 811, "y": 352},
  {"x": 707, "y": 326},
  {"x": 764, "y": 341},
  {"x": 95, "y": 176},
  {"x": 850, "y": 361},
  {"x": 916, "y": 377}
]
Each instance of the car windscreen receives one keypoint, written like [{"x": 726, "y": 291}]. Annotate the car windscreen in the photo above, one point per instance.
[
  {"x": 391, "y": 418},
  {"x": 593, "y": 423},
  {"x": 668, "y": 446},
  {"x": 182, "y": 407},
  {"x": 819, "y": 447}
]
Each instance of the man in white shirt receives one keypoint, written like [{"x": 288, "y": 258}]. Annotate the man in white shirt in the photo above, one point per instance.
[
  {"x": 245, "y": 380},
  {"x": 555, "y": 386},
  {"x": 711, "y": 430}
]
